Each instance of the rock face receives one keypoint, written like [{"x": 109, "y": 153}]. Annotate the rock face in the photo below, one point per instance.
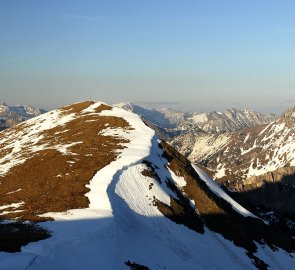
[
  {"x": 111, "y": 195},
  {"x": 272, "y": 191},
  {"x": 13, "y": 115},
  {"x": 281, "y": 175},
  {"x": 288, "y": 117}
]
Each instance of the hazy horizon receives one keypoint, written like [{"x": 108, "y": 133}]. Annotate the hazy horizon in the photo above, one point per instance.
[
  {"x": 190, "y": 55},
  {"x": 150, "y": 105}
]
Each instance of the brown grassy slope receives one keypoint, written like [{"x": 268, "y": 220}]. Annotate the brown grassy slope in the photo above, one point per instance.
[{"x": 54, "y": 182}]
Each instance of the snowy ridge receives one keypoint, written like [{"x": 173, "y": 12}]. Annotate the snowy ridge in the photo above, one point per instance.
[{"x": 135, "y": 152}]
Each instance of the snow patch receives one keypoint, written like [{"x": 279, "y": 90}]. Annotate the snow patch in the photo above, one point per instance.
[
  {"x": 13, "y": 192},
  {"x": 220, "y": 173},
  {"x": 93, "y": 107},
  {"x": 180, "y": 181},
  {"x": 215, "y": 188},
  {"x": 12, "y": 205}
]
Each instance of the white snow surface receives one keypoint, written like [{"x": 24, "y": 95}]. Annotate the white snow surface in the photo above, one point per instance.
[
  {"x": 220, "y": 172},
  {"x": 12, "y": 205},
  {"x": 214, "y": 187},
  {"x": 121, "y": 222},
  {"x": 204, "y": 146},
  {"x": 278, "y": 148},
  {"x": 4, "y": 208}
]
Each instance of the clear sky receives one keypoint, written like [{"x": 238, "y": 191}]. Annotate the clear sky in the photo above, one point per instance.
[{"x": 188, "y": 54}]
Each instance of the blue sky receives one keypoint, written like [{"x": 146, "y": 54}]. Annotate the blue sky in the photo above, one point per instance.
[{"x": 190, "y": 54}]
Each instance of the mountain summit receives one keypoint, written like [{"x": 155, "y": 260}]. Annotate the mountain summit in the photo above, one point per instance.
[
  {"x": 108, "y": 194},
  {"x": 288, "y": 117}
]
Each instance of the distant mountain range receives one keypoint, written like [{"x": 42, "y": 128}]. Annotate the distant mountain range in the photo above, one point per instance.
[
  {"x": 12, "y": 115},
  {"x": 176, "y": 123}
]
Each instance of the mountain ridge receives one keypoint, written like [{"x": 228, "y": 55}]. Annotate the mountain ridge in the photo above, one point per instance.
[
  {"x": 176, "y": 122},
  {"x": 135, "y": 196}
]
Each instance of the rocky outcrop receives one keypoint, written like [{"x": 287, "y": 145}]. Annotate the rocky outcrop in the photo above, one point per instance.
[
  {"x": 288, "y": 117},
  {"x": 282, "y": 175},
  {"x": 272, "y": 191}
]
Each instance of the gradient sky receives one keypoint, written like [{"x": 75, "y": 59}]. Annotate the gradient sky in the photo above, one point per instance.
[{"x": 188, "y": 54}]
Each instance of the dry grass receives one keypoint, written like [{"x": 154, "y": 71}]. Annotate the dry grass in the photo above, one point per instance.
[{"x": 196, "y": 189}]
